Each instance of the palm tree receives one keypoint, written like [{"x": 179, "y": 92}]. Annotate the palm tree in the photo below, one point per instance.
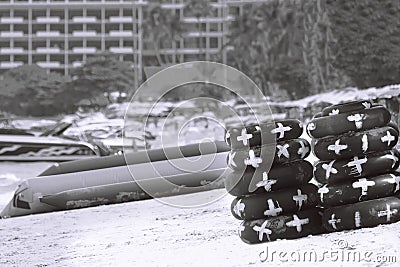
[
  {"x": 160, "y": 30},
  {"x": 199, "y": 9}
]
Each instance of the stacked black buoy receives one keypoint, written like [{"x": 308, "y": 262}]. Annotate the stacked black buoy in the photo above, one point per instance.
[
  {"x": 273, "y": 202},
  {"x": 357, "y": 165}
]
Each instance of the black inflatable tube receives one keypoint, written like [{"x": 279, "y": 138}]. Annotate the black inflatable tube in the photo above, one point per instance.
[
  {"x": 345, "y": 122},
  {"x": 271, "y": 204},
  {"x": 285, "y": 152},
  {"x": 264, "y": 133},
  {"x": 347, "y": 107},
  {"x": 335, "y": 172},
  {"x": 364, "y": 189},
  {"x": 355, "y": 143},
  {"x": 297, "y": 225},
  {"x": 363, "y": 214},
  {"x": 238, "y": 183}
]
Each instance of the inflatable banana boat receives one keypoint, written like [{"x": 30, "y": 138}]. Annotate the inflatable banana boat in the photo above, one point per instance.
[{"x": 121, "y": 178}]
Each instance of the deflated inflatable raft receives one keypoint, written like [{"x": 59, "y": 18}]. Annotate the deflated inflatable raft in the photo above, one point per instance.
[{"x": 116, "y": 179}]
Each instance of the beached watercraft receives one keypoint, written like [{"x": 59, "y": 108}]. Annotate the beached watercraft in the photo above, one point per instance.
[
  {"x": 19, "y": 146},
  {"x": 121, "y": 178},
  {"x": 62, "y": 143}
]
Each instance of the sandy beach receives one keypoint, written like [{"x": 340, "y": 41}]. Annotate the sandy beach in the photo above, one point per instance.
[{"x": 150, "y": 233}]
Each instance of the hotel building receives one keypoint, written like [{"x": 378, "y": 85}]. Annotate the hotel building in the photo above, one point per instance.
[{"x": 61, "y": 34}]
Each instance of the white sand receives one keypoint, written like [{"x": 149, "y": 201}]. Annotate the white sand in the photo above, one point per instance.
[{"x": 150, "y": 233}]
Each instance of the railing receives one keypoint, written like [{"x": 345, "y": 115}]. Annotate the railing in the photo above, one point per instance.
[
  {"x": 48, "y": 50},
  {"x": 48, "y": 19},
  {"x": 48, "y": 33},
  {"x": 12, "y": 34},
  {"x": 13, "y": 20},
  {"x": 10, "y": 65},
  {"x": 48, "y": 64},
  {"x": 84, "y": 50},
  {"x": 14, "y": 50},
  {"x": 121, "y": 50}
]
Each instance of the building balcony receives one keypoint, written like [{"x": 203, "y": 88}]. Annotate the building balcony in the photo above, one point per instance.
[
  {"x": 77, "y": 64},
  {"x": 183, "y": 51},
  {"x": 121, "y": 33},
  {"x": 243, "y": 2},
  {"x": 84, "y": 33},
  {"x": 48, "y": 50},
  {"x": 84, "y": 50},
  {"x": 12, "y": 51},
  {"x": 48, "y": 64},
  {"x": 11, "y": 34},
  {"x": 172, "y": 6},
  {"x": 205, "y": 34},
  {"x": 14, "y": 20},
  {"x": 48, "y": 19},
  {"x": 121, "y": 50},
  {"x": 48, "y": 34},
  {"x": 84, "y": 19},
  {"x": 10, "y": 65},
  {"x": 207, "y": 20},
  {"x": 115, "y": 19}
]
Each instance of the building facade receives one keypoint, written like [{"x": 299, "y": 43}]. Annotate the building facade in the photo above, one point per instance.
[{"x": 60, "y": 35}]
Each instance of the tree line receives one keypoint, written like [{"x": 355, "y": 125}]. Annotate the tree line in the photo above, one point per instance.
[{"x": 290, "y": 48}]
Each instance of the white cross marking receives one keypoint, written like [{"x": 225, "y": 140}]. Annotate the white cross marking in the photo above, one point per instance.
[
  {"x": 357, "y": 119},
  {"x": 297, "y": 223},
  {"x": 303, "y": 150},
  {"x": 337, "y": 147},
  {"x": 364, "y": 141},
  {"x": 357, "y": 219},
  {"x": 241, "y": 229},
  {"x": 231, "y": 159},
  {"x": 239, "y": 208},
  {"x": 282, "y": 150},
  {"x": 334, "y": 112},
  {"x": 393, "y": 157},
  {"x": 387, "y": 138},
  {"x": 266, "y": 182},
  {"x": 227, "y": 135},
  {"x": 311, "y": 126},
  {"x": 253, "y": 160},
  {"x": 356, "y": 162},
  {"x": 300, "y": 199},
  {"x": 272, "y": 210},
  {"x": 395, "y": 180},
  {"x": 323, "y": 190},
  {"x": 333, "y": 221},
  {"x": 388, "y": 213},
  {"x": 329, "y": 169},
  {"x": 281, "y": 130},
  {"x": 366, "y": 104},
  {"x": 244, "y": 137},
  {"x": 262, "y": 230},
  {"x": 363, "y": 184}
]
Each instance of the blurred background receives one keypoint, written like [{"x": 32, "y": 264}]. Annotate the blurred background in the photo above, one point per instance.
[{"x": 80, "y": 62}]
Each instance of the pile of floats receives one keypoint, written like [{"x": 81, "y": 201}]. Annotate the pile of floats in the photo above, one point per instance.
[{"x": 354, "y": 183}]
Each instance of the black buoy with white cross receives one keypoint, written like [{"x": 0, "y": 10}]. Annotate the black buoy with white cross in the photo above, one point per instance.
[
  {"x": 288, "y": 200},
  {"x": 289, "y": 226},
  {"x": 285, "y": 152},
  {"x": 264, "y": 133},
  {"x": 356, "y": 143},
  {"x": 362, "y": 214}
]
